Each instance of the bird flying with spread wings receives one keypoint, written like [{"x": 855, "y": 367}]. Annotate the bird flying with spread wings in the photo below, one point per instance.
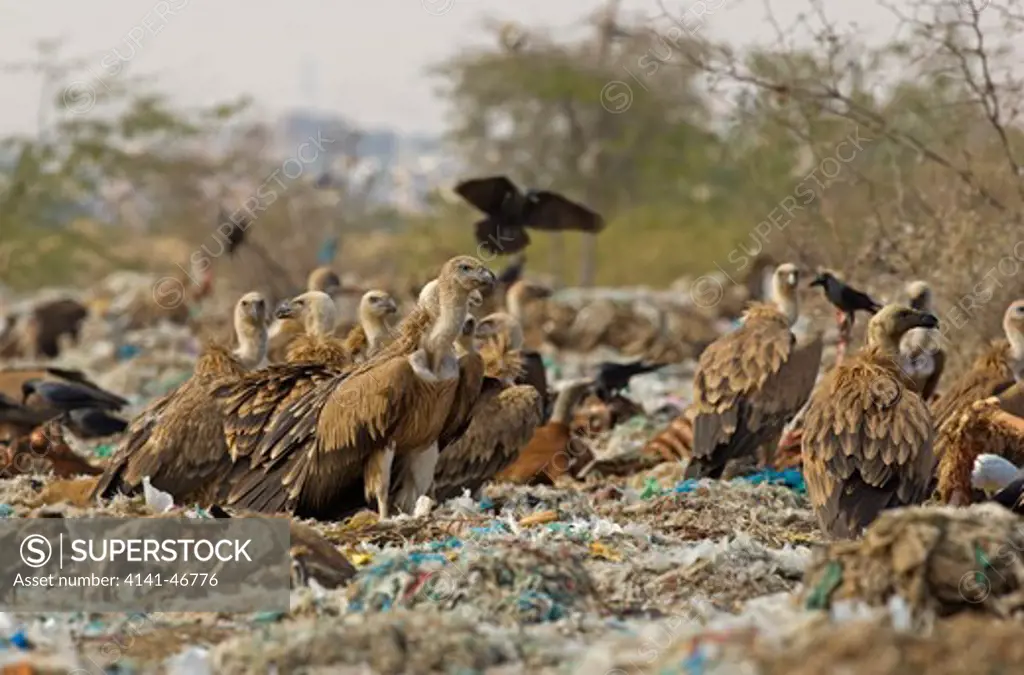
[
  {"x": 510, "y": 211},
  {"x": 346, "y": 432},
  {"x": 867, "y": 437},
  {"x": 178, "y": 441},
  {"x": 752, "y": 381}
]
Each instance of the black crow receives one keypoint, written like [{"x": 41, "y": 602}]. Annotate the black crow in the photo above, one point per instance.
[
  {"x": 510, "y": 211},
  {"x": 845, "y": 298},
  {"x": 614, "y": 377},
  {"x": 93, "y": 423},
  {"x": 62, "y": 397}
]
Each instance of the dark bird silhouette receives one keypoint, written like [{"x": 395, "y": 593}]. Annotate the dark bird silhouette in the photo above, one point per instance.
[
  {"x": 64, "y": 397},
  {"x": 847, "y": 301},
  {"x": 510, "y": 211},
  {"x": 1011, "y": 496},
  {"x": 16, "y": 420},
  {"x": 513, "y": 272},
  {"x": 614, "y": 377},
  {"x": 93, "y": 423}
]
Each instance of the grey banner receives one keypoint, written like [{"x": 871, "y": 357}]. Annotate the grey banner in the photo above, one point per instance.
[{"x": 144, "y": 565}]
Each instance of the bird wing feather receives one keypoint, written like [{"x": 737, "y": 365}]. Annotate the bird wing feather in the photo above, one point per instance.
[
  {"x": 866, "y": 425},
  {"x": 552, "y": 211},
  {"x": 487, "y": 194},
  {"x": 503, "y": 422}
]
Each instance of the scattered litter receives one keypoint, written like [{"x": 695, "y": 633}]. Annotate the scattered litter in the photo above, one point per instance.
[{"x": 158, "y": 500}]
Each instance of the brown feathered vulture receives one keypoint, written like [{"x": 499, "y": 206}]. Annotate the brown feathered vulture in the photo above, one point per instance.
[
  {"x": 509, "y": 212},
  {"x": 867, "y": 437},
  {"x": 377, "y": 311},
  {"x": 316, "y": 312},
  {"x": 992, "y": 372},
  {"x": 178, "y": 441},
  {"x": 553, "y": 450},
  {"x": 921, "y": 353},
  {"x": 52, "y": 320},
  {"x": 991, "y": 426},
  {"x": 751, "y": 382},
  {"x": 501, "y": 423},
  {"x": 348, "y": 430},
  {"x": 284, "y": 330}
]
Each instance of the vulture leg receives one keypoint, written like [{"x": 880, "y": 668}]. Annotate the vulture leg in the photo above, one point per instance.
[
  {"x": 417, "y": 477},
  {"x": 380, "y": 464}
]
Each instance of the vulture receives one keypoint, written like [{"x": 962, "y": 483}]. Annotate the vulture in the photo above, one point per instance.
[
  {"x": 920, "y": 354},
  {"x": 552, "y": 450},
  {"x": 501, "y": 423},
  {"x": 847, "y": 301},
  {"x": 750, "y": 382},
  {"x": 995, "y": 370},
  {"x": 178, "y": 441},
  {"x": 509, "y": 212},
  {"x": 283, "y": 331},
  {"x": 377, "y": 311},
  {"x": 349, "y": 429},
  {"x": 48, "y": 322},
  {"x": 522, "y": 296},
  {"x": 530, "y": 369},
  {"x": 977, "y": 444},
  {"x": 867, "y": 436},
  {"x": 316, "y": 312}
]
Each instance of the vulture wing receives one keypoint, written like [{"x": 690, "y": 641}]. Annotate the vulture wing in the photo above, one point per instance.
[
  {"x": 749, "y": 384},
  {"x": 314, "y": 452},
  {"x": 488, "y": 194},
  {"x": 251, "y": 403},
  {"x": 552, "y": 211},
  {"x": 498, "y": 238},
  {"x": 867, "y": 446},
  {"x": 503, "y": 422},
  {"x": 988, "y": 376}
]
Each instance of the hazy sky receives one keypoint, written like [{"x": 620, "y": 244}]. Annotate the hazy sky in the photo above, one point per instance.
[{"x": 365, "y": 58}]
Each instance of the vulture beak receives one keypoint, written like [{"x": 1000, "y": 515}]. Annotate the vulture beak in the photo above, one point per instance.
[
  {"x": 488, "y": 279},
  {"x": 286, "y": 310},
  {"x": 390, "y": 306},
  {"x": 256, "y": 311},
  {"x": 926, "y": 320}
]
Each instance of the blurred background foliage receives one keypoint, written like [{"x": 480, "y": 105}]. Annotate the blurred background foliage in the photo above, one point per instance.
[{"x": 712, "y": 142}]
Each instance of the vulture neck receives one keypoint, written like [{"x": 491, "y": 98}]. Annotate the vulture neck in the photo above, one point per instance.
[
  {"x": 252, "y": 346},
  {"x": 884, "y": 341},
  {"x": 447, "y": 327},
  {"x": 514, "y": 303},
  {"x": 566, "y": 402},
  {"x": 375, "y": 328},
  {"x": 1016, "y": 353},
  {"x": 320, "y": 323},
  {"x": 787, "y": 303}
]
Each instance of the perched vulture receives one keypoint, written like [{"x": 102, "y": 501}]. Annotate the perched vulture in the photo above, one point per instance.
[
  {"x": 178, "y": 441},
  {"x": 377, "y": 311},
  {"x": 751, "y": 382},
  {"x": 553, "y": 450},
  {"x": 530, "y": 366},
  {"x": 921, "y": 355},
  {"x": 284, "y": 330},
  {"x": 316, "y": 312},
  {"x": 867, "y": 437},
  {"x": 990, "y": 428},
  {"x": 349, "y": 429},
  {"x": 501, "y": 423},
  {"x": 992, "y": 372},
  {"x": 52, "y": 320},
  {"x": 509, "y": 212}
]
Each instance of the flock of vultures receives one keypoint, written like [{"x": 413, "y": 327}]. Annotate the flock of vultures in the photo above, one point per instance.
[{"x": 303, "y": 416}]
